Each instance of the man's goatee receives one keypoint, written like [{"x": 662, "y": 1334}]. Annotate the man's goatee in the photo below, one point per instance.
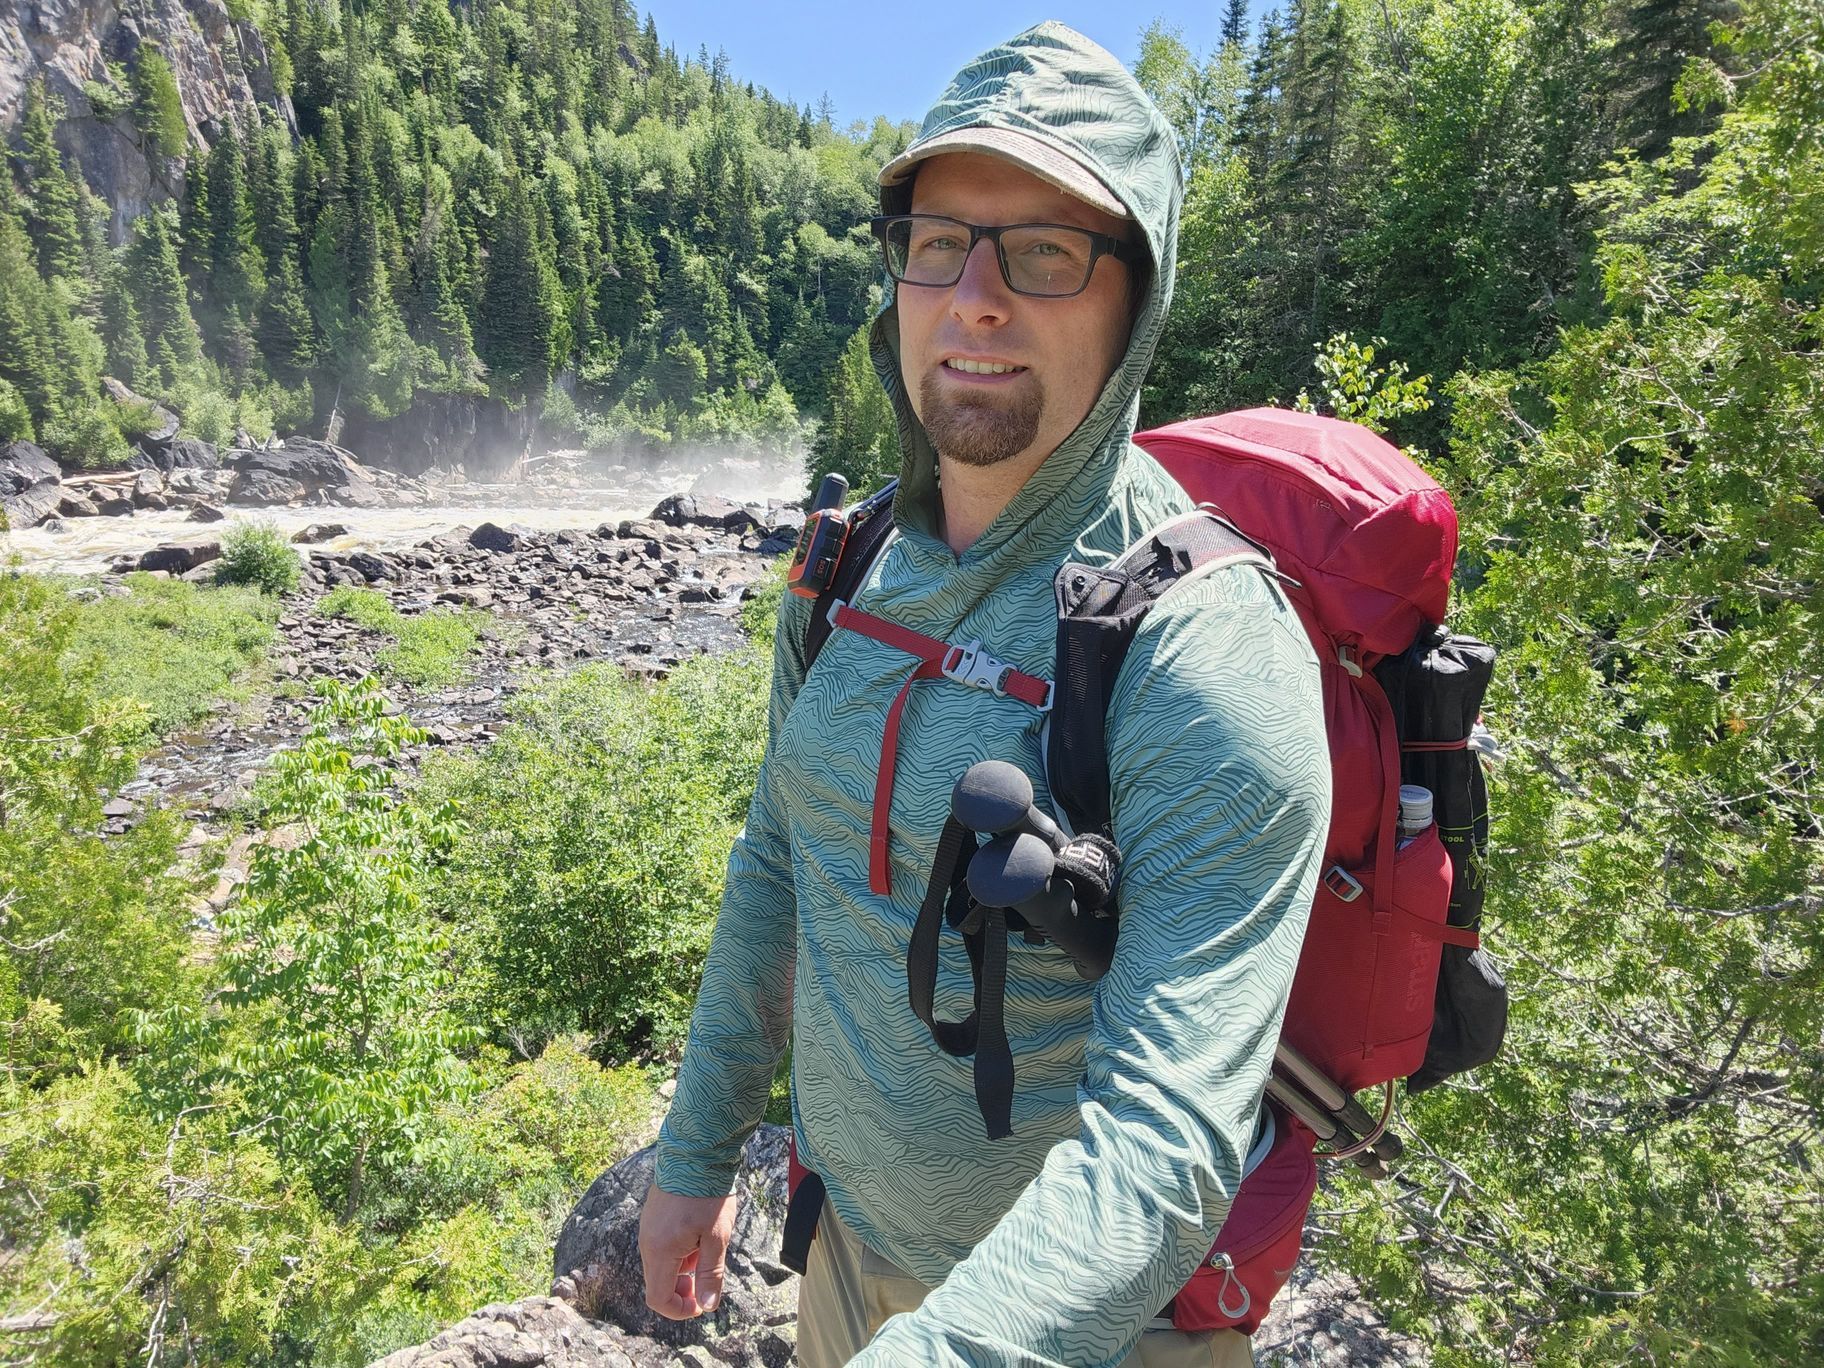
[{"x": 984, "y": 429}]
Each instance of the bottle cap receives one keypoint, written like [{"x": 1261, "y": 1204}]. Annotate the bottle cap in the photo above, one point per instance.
[{"x": 1415, "y": 806}]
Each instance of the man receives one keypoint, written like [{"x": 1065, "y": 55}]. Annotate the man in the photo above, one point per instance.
[{"x": 1014, "y": 357}]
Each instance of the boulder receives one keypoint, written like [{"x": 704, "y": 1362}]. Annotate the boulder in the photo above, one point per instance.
[
  {"x": 183, "y": 453},
  {"x": 313, "y": 464},
  {"x": 149, "y": 490},
  {"x": 539, "y": 1332},
  {"x": 703, "y": 510},
  {"x": 203, "y": 484},
  {"x": 598, "y": 1260},
  {"x": 370, "y": 566},
  {"x": 75, "y": 504},
  {"x": 201, "y": 512},
  {"x": 178, "y": 557},
  {"x": 318, "y": 532},
  {"x": 113, "y": 503},
  {"x": 264, "y": 487},
  {"x": 493, "y": 537},
  {"x": 28, "y": 484},
  {"x": 23, "y": 466},
  {"x": 164, "y": 422}
]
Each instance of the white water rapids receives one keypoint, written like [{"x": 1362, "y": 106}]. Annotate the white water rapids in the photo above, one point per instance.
[{"x": 605, "y": 493}]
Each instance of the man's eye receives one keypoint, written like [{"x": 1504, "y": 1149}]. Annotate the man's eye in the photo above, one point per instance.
[
  {"x": 1054, "y": 250},
  {"x": 940, "y": 243}
]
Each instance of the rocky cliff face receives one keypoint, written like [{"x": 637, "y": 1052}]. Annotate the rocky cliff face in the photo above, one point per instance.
[{"x": 221, "y": 64}]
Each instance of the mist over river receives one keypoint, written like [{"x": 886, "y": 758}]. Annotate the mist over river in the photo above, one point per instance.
[{"x": 566, "y": 490}]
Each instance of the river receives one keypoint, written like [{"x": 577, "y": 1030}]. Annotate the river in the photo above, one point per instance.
[{"x": 602, "y": 494}]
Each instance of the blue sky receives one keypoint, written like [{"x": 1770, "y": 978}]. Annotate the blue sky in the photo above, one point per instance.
[{"x": 893, "y": 58}]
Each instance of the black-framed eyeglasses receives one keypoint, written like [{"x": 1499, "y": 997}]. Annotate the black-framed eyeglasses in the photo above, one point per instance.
[{"x": 1049, "y": 260}]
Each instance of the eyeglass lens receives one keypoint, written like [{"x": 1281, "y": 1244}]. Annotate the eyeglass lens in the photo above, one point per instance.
[{"x": 1041, "y": 259}]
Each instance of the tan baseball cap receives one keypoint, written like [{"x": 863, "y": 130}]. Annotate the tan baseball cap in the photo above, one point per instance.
[{"x": 1023, "y": 150}]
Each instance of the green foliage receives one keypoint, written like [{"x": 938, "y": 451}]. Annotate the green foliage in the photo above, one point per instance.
[
  {"x": 87, "y": 437},
  {"x": 350, "y": 1048},
  {"x": 15, "y": 417},
  {"x": 260, "y": 555},
  {"x": 171, "y": 647},
  {"x": 90, "y": 925},
  {"x": 860, "y": 440},
  {"x": 159, "y": 1241},
  {"x": 159, "y": 108},
  {"x": 1635, "y": 1179},
  {"x": 583, "y": 888},
  {"x": 1353, "y": 388},
  {"x": 428, "y": 649}
]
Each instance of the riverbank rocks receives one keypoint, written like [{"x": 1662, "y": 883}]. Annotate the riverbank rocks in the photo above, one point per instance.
[
  {"x": 317, "y": 533},
  {"x": 29, "y": 484},
  {"x": 177, "y": 558}
]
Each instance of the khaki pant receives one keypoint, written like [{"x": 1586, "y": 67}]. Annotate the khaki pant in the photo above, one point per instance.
[{"x": 849, "y": 1292}]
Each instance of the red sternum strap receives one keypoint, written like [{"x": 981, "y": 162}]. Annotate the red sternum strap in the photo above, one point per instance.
[{"x": 969, "y": 665}]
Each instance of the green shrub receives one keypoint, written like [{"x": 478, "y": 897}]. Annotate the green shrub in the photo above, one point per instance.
[
  {"x": 331, "y": 958},
  {"x": 427, "y": 650},
  {"x": 122, "y": 1227},
  {"x": 15, "y": 416},
  {"x": 89, "y": 438},
  {"x": 586, "y": 871},
  {"x": 174, "y": 648},
  {"x": 258, "y": 554},
  {"x": 90, "y": 925}
]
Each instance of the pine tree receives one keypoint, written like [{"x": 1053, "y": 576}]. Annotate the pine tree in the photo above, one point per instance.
[
  {"x": 1235, "y": 24},
  {"x": 1658, "y": 39},
  {"x": 158, "y": 286},
  {"x": 122, "y": 331},
  {"x": 520, "y": 306},
  {"x": 157, "y": 107},
  {"x": 860, "y": 438},
  {"x": 234, "y": 281},
  {"x": 54, "y": 218}
]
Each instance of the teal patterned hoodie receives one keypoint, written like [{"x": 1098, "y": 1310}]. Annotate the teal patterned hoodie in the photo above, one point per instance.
[{"x": 1137, "y": 1096}]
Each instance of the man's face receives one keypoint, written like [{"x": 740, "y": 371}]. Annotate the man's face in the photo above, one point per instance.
[{"x": 1065, "y": 349}]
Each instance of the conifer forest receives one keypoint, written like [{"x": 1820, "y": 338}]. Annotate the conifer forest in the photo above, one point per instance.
[{"x": 1569, "y": 254}]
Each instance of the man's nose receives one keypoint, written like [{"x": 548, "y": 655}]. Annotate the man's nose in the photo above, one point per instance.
[{"x": 980, "y": 295}]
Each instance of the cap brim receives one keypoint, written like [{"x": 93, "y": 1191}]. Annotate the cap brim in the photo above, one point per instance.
[{"x": 1041, "y": 159}]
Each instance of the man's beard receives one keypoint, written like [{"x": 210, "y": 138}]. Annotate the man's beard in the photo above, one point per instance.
[{"x": 981, "y": 429}]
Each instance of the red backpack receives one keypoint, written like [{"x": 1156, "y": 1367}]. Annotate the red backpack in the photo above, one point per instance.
[{"x": 1362, "y": 542}]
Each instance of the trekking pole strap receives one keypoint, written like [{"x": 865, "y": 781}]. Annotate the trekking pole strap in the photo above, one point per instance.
[{"x": 983, "y": 1033}]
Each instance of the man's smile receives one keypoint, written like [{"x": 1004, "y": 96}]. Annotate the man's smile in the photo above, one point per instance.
[{"x": 980, "y": 371}]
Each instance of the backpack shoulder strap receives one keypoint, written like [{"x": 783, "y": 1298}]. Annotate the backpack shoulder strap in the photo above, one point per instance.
[
  {"x": 870, "y": 529},
  {"x": 1100, "y": 608}
]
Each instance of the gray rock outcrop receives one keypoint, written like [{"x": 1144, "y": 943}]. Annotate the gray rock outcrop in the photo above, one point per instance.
[
  {"x": 303, "y": 469},
  {"x": 545, "y": 1331},
  {"x": 598, "y": 1264},
  {"x": 221, "y": 66},
  {"x": 30, "y": 489}
]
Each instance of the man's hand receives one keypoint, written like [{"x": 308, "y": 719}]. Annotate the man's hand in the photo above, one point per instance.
[{"x": 682, "y": 1243}]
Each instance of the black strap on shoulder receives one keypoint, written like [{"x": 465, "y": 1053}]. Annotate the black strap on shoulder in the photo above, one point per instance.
[
  {"x": 1099, "y": 611},
  {"x": 870, "y": 524}
]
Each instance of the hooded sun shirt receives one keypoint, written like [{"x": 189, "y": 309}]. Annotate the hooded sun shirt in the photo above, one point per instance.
[{"x": 1136, "y": 1096}]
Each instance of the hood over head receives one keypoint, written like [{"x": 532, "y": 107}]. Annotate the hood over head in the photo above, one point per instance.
[{"x": 1064, "y": 109}]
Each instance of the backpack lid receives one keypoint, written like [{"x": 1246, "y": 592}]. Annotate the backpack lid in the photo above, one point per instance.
[{"x": 1369, "y": 535}]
